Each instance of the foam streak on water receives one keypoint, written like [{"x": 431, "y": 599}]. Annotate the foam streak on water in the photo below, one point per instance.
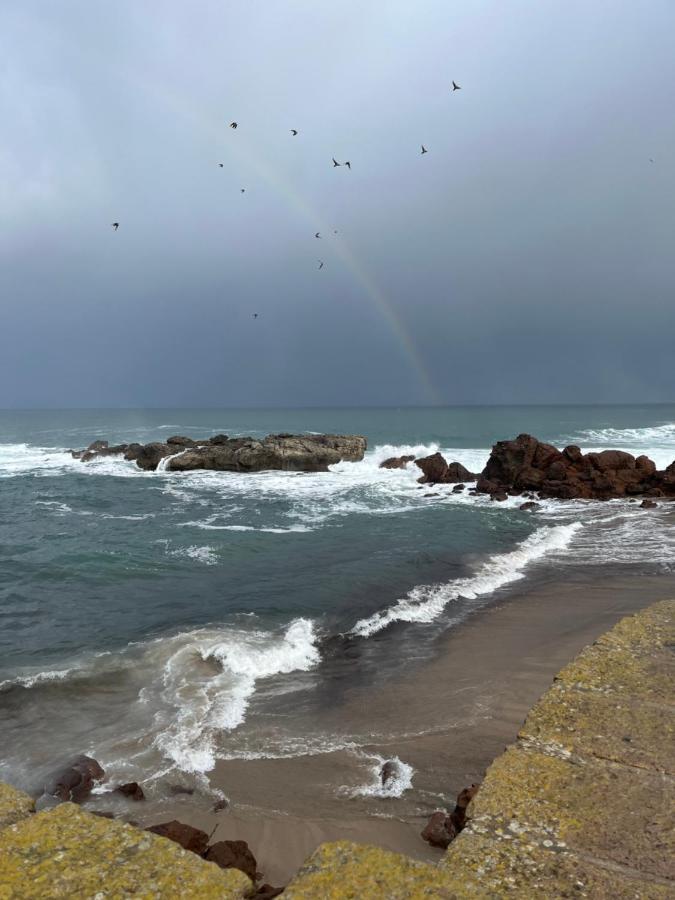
[{"x": 424, "y": 604}]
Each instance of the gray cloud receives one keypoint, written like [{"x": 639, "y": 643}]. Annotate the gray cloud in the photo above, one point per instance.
[{"x": 526, "y": 258}]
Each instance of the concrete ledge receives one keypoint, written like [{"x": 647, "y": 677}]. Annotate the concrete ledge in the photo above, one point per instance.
[
  {"x": 67, "y": 852},
  {"x": 14, "y": 805}
]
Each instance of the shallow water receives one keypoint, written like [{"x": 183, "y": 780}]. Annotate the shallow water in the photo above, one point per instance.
[{"x": 146, "y": 617}]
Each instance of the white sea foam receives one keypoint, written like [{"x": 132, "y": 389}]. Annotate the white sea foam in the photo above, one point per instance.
[
  {"x": 395, "y": 786},
  {"x": 426, "y": 603},
  {"x": 206, "y": 555},
  {"x": 209, "y": 680}
]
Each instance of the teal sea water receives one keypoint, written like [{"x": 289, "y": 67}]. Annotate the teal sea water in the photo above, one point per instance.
[{"x": 147, "y": 618}]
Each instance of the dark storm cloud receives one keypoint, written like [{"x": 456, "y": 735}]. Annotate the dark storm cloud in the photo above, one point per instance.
[{"x": 526, "y": 257}]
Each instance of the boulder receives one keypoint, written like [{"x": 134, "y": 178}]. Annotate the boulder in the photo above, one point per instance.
[
  {"x": 648, "y": 504},
  {"x": 437, "y": 471},
  {"x": 499, "y": 496},
  {"x": 458, "y": 488},
  {"x": 132, "y": 790},
  {"x": 179, "y": 440},
  {"x": 529, "y": 506},
  {"x": 189, "y": 838},
  {"x": 440, "y": 830},
  {"x": 74, "y": 782},
  {"x": 232, "y": 855},
  {"x": 396, "y": 462},
  {"x": 149, "y": 456}
]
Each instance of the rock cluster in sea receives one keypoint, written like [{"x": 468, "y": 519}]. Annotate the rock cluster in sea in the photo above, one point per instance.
[
  {"x": 528, "y": 466},
  {"x": 287, "y": 452}
]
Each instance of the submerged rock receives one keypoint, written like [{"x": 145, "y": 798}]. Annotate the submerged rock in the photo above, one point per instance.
[
  {"x": 396, "y": 462},
  {"x": 529, "y": 506},
  {"x": 132, "y": 789},
  {"x": 74, "y": 781}
]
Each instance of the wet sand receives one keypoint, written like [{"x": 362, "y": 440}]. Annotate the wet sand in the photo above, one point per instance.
[{"x": 448, "y": 719}]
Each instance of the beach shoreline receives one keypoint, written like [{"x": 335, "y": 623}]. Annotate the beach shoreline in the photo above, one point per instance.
[{"x": 448, "y": 719}]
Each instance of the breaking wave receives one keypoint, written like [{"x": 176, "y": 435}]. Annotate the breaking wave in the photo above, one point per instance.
[{"x": 426, "y": 603}]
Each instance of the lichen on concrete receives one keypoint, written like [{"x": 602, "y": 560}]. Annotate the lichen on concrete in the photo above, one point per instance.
[
  {"x": 67, "y": 852},
  {"x": 14, "y": 805}
]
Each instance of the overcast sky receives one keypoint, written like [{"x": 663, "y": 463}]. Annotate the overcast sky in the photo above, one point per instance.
[{"x": 529, "y": 256}]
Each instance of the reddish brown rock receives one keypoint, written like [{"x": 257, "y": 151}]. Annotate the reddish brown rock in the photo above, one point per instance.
[
  {"x": 132, "y": 790},
  {"x": 440, "y": 830},
  {"x": 74, "y": 782},
  {"x": 458, "y": 815},
  {"x": 648, "y": 504},
  {"x": 233, "y": 855},
  {"x": 529, "y": 506},
  {"x": 396, "y": 462},
  {"x": 189, "y": 838},
  {"x": 267, "y": 892},
  {"x": 437, "y": 471},
  {"x": 526, "y": 464}
]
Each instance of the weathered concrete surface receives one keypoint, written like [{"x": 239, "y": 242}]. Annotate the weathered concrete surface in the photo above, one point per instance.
[
  {"x": 347, "y": 870},
  {"x": 581, "y": 806},
  {"x": 67, "y": 852},
  {"x": 14, "y": 805}
]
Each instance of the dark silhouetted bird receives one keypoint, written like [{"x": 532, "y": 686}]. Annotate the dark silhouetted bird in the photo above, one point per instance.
[
  {"x": 318, "y": 234},
  {"x": 233, "y": 124},
  {"x": 455, "y": 86},
  {"x": 321, "y": 264},
  {"x": 221, "y": 165},
  {"x": 243, "y": 190},
  {"x": 424, "y": 149},
  {"x": 294, "y": 131},
  {"x": 348, "y": 164},
  {"x": 335, "y": 232},
  {"x": 336, "y": 163},
  {"x": 650, "y": 159},
  {"x": 255, "y": 315},
  {"x": 115, "y": 225}
]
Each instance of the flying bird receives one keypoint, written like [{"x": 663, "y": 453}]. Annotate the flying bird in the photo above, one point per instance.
[
  {"x": 455, "y": 86},
  {"x": 424, "y": 149},
  {"x": 115, "y": 225},
  {"x": 321, "y": 264},
  {"x": 233, "y": 124},
  {"x": 243, "y": 190},
  {"x": 294, "y": 131},
  {"x": 255, "y": 315},
  {"x": 348, "y": 164},
  {"x": 336, "y": 163},
  {"x": 318, "y": 234},
  {"x": 221, "y": 165}
]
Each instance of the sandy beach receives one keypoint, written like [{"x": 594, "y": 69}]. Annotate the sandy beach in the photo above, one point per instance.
[{"x": 448, "y": 720}]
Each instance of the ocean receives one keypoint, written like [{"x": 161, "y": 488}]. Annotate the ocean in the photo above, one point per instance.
[{"x": 163, "y": 622}]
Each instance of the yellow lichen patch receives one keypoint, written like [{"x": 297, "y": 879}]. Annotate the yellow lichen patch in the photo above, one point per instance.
[
  {"x": 67, "y": 852},
  {"x": 616, "y": 813},
  {"x": 357, "y": 872},
  {"x": 633, "y": 658},
  {"x": 14, "y": 805},
  {"x": 612, "y": 726},
  {"x": 487, "y": 865}
]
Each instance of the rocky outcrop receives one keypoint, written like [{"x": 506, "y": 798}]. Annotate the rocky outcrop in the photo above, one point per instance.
[
  {"x": 286, "y": 452},
  {"x": 527, "y": 464},
  {"x": 132, "y": 790},
  {"x": 437, "y": 471},
  {"x": 397, "y": 462}
]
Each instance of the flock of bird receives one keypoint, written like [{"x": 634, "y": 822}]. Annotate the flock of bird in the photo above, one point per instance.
[{"x": 336, "y": 164}]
